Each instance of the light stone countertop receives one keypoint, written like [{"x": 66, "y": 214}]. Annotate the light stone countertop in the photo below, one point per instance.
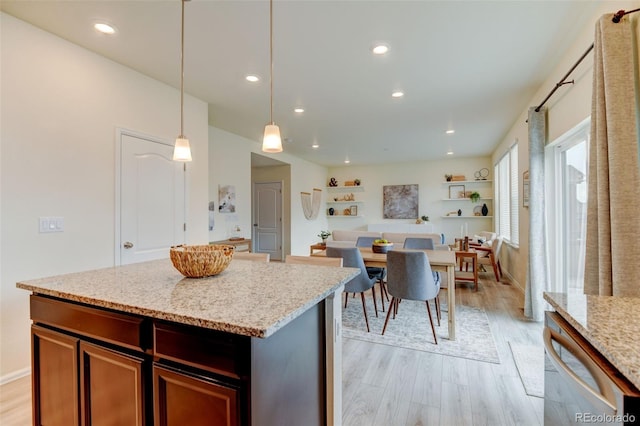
[
  {"x": 248, "y": 298},
  {"x": 610, "y": 324}
]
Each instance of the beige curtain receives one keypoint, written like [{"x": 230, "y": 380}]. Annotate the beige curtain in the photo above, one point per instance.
[{"x": 613, "y": 212}]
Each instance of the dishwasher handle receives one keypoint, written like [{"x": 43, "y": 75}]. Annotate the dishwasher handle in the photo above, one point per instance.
[{"x": 605, "y": 400}]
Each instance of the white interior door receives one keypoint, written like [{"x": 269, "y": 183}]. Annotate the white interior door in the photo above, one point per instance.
[
  {"x": 152, "y": 200},
  {"x": 267, "y": 216}
]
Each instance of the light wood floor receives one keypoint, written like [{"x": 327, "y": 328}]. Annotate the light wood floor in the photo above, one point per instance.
[
  {"x": 395, "y": 387},
  {"x": 388, "y": 386},
  {"x": 15, "y": 402}
]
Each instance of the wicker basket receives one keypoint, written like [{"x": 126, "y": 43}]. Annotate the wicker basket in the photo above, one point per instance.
[{"x": 201, "y": 261}]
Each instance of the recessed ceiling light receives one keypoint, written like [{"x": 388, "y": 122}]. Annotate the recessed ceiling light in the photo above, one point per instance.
[
  {"x": 299, "y": 110},
  {"x": 450, "y": 132},
  {"x": 104, "y": 28},
  {"x": 380, "y": 49},
  {"x": 315, "y": 146},
  {"x": 252, "y": 78},
  {"x": 397, "y": 94},
  {"x": 449, "y": 152}
]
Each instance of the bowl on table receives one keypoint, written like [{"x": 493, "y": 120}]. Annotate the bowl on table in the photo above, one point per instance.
[{"x": 381, "y": 247}]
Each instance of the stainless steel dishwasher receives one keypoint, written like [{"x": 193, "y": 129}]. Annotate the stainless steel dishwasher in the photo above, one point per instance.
[{"x": 581, "y": 386}]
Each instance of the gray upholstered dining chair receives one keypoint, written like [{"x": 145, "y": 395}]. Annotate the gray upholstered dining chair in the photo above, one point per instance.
[
  {"x": 419, "y": 243},
  {"x": 409, "y": 277},
  {"x": 351, "y": 257},
  {"x": 375, "y": 271},
  {"x": 425, "y": 244}
]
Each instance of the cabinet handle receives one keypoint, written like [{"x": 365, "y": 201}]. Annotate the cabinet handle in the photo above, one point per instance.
[{"x": 603, "y": 400}]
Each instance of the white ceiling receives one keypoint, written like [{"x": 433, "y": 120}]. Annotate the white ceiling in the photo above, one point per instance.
[{"x": 468, "y": 65}]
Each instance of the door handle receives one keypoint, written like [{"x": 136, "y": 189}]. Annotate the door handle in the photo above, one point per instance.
[
  {"x": 255, "y": 224},
  {"x": 127, "y": 245}
]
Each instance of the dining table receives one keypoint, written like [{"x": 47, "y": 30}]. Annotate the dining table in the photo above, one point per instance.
[{"x": 440, "y": 261}]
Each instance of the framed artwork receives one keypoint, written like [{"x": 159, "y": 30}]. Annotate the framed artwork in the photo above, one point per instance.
[
  {"x": 353, "y": 210},
  {"x": 400, "y": 201},
  {"x": 525, "y": 189},
  {"x": 456, "y": 191},
  {"x": 226, "y": 199}
]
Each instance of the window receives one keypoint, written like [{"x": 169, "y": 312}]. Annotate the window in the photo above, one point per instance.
[
  {"x": 506, "y": 190},
  {"x": 566, "y": 213}
]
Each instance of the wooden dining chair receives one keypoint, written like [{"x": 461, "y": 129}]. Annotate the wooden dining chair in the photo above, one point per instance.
[
  {"x": 314, "y": 260},
  {"x": 255, "y": 257},
  {"x": 492, "y": 256}
]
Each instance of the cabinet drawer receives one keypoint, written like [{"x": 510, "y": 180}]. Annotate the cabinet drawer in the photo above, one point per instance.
[
  {"x": 121, "y": 329},
  {"x": 179, "y": 397},
  {"x": 211, "y": 350}
]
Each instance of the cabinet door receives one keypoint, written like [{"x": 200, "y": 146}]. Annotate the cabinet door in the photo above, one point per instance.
[
  {"x": 54, "y": 362},
  {"x": 181, "y": 399},
  {"x": 111, "y": 387}
]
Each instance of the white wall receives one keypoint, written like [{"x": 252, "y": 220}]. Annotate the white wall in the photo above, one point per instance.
[
  {"x": 429, "y": 175},
  {"x": 230, "y": 164},
  {"x": 61, "y": 105},
  {"x": 230, "y": 158},
  {"x": 569, "y": 106}
]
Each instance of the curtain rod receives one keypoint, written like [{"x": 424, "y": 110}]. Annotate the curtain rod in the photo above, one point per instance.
[{"x": 616, "y": 19}]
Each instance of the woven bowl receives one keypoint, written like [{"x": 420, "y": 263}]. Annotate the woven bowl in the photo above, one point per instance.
[
  {"x": 201, "y": 261},
  {"x": 381, "y": 247}
]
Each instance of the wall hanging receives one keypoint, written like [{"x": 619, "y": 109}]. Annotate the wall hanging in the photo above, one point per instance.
[{"x": 311, "y": 204}]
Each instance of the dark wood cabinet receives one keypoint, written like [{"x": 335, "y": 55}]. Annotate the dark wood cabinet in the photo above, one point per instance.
[
  {"x": 187, "y": 399},
  {"x": 76, "y": 382},
  {"x": 55, "y": 378},
  {"x": 111, "y": 387},
  {"x": 98, "y": 367}
]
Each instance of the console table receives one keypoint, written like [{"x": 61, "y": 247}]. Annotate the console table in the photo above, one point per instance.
[{"x": 240, "y": 245}]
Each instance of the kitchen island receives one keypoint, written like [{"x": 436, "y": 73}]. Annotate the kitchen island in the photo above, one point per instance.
[
  {"x": 593, "y": 370},
  {"x": 610, "y": 324},
  {"x": 140, "y": 344}
]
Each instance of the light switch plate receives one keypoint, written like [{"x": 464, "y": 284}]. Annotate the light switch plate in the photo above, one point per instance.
[{"x": 51, "y": 224}]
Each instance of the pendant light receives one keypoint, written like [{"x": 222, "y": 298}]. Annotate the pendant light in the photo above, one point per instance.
[
  {"x": 271, "y": 141},
  {"x": 182, "y": 150}
]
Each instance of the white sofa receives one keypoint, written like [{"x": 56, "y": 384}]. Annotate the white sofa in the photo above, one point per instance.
[{"x": 348, "y": 238}]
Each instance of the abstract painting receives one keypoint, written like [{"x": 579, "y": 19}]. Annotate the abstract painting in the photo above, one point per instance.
[
  {"x": 226, "y": 199},
  {"x": 400, "y": 201}
]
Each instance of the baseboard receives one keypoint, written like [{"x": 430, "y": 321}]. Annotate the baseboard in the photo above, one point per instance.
[
  {"x": 513, "y": 281},
  {"x": 15, "y": 376}
]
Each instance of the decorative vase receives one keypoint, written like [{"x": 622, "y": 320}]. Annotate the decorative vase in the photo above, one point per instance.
[
  {"x": 331, "y": 211},
  {"x": 485, "y": 210},
  {"x": 459, "y": 212}
]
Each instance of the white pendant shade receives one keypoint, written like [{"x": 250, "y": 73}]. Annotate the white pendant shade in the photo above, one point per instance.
[
  {"x": 271, "y": 141},
  {"x": 182, "y": 150}
]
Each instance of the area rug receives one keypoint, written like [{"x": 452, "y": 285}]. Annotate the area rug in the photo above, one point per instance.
[
  {"x": 410, "y": 329},
  {"x": 530, "y": 363}
]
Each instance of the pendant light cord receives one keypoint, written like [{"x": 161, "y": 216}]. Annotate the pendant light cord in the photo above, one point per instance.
[
  {"x": 271, "y": 59},
  {"x": 182, "y": 74}
]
